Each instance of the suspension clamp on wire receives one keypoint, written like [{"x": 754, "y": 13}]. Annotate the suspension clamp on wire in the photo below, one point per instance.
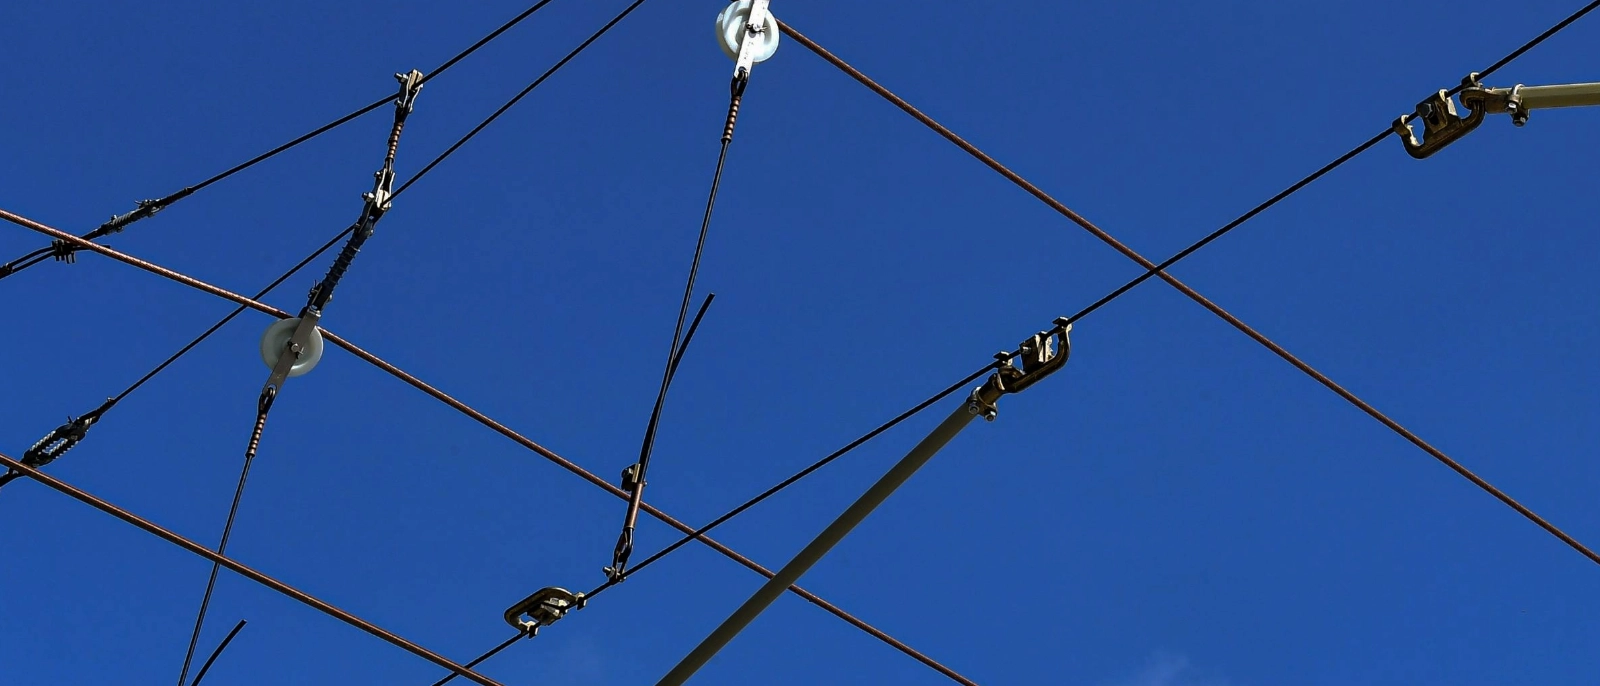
[
  {"x": 543, "y": 608},
  {"x": 1039, "y": 356},
  {"x": 1441, "y": 125}
]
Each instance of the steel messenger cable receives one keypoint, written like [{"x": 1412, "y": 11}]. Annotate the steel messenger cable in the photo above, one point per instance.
[{"x": 1158, "y": 270}]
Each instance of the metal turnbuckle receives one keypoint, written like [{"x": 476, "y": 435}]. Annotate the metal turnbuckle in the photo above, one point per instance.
[{"x": 543, "y": 608}]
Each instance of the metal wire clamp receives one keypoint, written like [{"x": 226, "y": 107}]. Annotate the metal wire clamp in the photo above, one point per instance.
[{"x": 543, "y": 608}]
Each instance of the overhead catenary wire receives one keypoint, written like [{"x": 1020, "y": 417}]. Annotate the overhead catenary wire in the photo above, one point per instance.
[
  {"x": 1153, "y": 268},
  {"x": 1302, "y": 183},
  {"x": 244, "y": 571},
  {"x": 477, "y": 416},
  {"x": 147, "y": 208}
]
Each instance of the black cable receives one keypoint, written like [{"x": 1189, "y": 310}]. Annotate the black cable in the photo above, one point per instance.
[
  {"x": 227, "y": 531},
  {"x": 1564, "y": 23},
  {"x": 46, "y": 252},
  {"x": 513, "y": 101},
  {"x": 1258, "y": 209},
  {"x": 492, "y": 652},
  {"x": 485, "y": 40},
  {"x": 637, "y": 474},
  {"x": 147, "y": 208},
  {"x": 220, "y": 647},
  {"x": 22, "y": 263}
]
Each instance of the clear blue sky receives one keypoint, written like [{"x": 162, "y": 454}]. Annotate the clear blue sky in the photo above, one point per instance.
[{"x": 1176, "y": 508}]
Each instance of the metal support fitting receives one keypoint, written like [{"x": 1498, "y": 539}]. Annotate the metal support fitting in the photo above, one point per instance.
[
  {"x": 58, "y": 442},
  {"x": 1519, "y": 100},
  {"x": 1039, "y": 356},
  {"x": 630, "y": 478},
  {"x": 1441, "y": 125},
  {"x": 543, "y": 608}
]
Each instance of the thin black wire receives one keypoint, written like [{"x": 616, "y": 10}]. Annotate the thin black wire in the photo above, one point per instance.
[
  {"x": 484, "y": 41},
  {"x": 719, "y": 521},
  {"x": 375, "y": 105},
  {"x": 492, "y": 652},
  {"x": 683, "y": 315},
  {"x": 14, "y": 266},
  {"x": 22, "y": 263},
  {"x": 624, "y": 547},
  {"x": 1530, "y": 44},
  {"x": 513, "y": 101},
  {"x": 1258, "y": 209},
  {"x": 222, "y": 548},
  {"x": 331, "y": 242},
  {"x": 225, "y": 641}
]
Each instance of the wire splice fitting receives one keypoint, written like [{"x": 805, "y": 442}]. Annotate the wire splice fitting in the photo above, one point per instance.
[
  {"x": 545, "y": 607},
  {"x": 142, "y": 209},
  {"x": 63, "y": 438}
]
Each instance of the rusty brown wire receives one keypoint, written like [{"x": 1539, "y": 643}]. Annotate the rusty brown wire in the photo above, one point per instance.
[{"x": 251, "y": 574}]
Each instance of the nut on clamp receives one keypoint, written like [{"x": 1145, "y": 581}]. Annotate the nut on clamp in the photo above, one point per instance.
[
  {"x": 1441, "y": 125},
  {"x": 543, "y": 608},
  {"x": 1039, "y": 356}
]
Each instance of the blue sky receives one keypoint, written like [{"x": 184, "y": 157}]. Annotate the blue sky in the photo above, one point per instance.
[{"x": 1178, "y": 507}]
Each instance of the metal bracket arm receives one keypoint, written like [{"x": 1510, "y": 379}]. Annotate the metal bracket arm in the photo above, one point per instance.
[{"x": 1519, "y": 100}]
